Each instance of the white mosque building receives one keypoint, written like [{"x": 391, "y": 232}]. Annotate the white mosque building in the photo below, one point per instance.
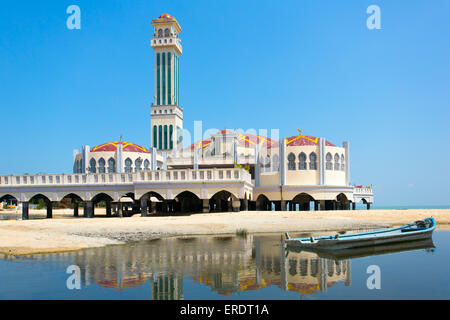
[{"x": 299, "y": 172}]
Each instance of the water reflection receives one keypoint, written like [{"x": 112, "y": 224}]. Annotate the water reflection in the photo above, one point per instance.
[{"x": 226, "y": 265}]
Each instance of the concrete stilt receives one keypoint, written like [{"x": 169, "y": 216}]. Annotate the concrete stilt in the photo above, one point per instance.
[
  {"x": 283, "y": 205},
  {"x": 75, "y": 208},
  {"x": 49, "y": 210},
  {"x": 205, "y": 205},
  {"x": 144, "y": 206},
  {"x": 108, "y": 208},
  {"x": 25, "y": 211},
  {"x": 89, "y": 209},
  {"x": 236, "y": 204}
]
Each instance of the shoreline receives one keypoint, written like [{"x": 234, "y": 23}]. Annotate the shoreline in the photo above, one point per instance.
[{"x": 23, "y": 237}]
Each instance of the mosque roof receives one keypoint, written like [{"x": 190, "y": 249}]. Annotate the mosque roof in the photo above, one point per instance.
[
  {"x": 244, "y": 140},
  {"x": 126, "y": 146},
  {"x": 250, "y": 140},
  {"x": 301, "y": 140}
]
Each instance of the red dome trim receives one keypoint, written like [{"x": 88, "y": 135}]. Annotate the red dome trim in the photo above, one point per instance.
[{"x": 126, "y": 147}]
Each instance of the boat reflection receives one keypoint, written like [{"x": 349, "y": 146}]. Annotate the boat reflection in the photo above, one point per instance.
[{"x": 227, "y": 265}]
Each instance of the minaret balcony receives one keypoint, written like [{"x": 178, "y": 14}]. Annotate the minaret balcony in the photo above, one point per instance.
[{"x": 167, "y": 42}]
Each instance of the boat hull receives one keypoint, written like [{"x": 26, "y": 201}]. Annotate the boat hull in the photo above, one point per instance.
[{"x": 363, "y": 240}]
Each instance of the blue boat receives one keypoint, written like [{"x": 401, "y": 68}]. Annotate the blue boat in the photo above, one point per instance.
[{"x": 418, "y": 230}]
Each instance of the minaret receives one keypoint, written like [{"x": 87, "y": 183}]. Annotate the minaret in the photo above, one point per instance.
[{"x": 166, "y": 114}]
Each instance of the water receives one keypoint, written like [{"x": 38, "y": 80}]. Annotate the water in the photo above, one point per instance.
[{"x": 227, "y": 268}]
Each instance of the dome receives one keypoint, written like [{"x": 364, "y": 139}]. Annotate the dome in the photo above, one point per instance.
[
  {"x": 126, "y": 146},
  {"x": 165, "y": 16},
  {"x": 296, "y": 141}
]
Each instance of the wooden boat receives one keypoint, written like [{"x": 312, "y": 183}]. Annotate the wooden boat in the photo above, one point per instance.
[
  {"x": 361, "y": 252},
  {"x": 418, "y": 230}
]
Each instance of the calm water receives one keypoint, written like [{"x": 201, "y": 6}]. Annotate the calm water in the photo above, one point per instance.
[{"x": 229, "y": 268}]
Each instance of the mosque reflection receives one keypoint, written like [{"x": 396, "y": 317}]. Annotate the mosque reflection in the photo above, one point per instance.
[{"x": 227, "y": 265}]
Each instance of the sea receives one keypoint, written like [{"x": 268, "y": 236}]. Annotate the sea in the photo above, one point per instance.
[{"x": 235, "y": 267}]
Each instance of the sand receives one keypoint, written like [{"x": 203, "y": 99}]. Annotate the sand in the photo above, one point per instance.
[{"x": 63, "y": 233}]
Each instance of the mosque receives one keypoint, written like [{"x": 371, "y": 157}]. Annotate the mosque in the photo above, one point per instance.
[{"x": 300, "y": 172}]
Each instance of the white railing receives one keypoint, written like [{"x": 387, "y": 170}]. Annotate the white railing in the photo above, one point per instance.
[
  {"x": 173, "y": 175},
  {"x": 362, "y": 190}
]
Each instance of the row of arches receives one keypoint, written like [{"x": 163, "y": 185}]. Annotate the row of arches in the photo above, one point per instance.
[
  {"x": 101, "y": 166},
  {"x": 299, "y": 162}
]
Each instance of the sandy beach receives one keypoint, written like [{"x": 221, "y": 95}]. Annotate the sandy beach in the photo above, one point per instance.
[{"x": 64, "y": 233}]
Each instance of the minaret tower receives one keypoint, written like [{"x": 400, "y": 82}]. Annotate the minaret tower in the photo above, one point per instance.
[{"x": 166, "y": 114}]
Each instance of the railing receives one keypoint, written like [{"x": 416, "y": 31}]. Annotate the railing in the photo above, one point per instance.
[
  {"x": 173, "y": 175},
  {"x": 362, "y": 190}
]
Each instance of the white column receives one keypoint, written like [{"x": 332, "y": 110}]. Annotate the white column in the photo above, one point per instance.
[
  {"x": 346, "y": 146},
  {"x": 322, "y": 166}
]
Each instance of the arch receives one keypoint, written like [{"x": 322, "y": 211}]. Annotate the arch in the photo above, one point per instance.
[
  {"x": 9, "y": 199},
  {"x": 302, "y": 161},
  {"x": 328, "y": 164},
  {"x": 263, "y": 203},
  {"x": 160, "y": 33},
  {"x": 342, "y": 162},
  {"x": 221, "y": 201},
  {"x": 166, "y": 33},
  {"x": 73, "y": 196},
  {"x": 155, "y": 136},
  {"x": 101, "y": 197},
  {"x": 342, "y": 202},
  {"x": 312, "y": 161},
  {"x": 146, "y": 164},
  {"x": 128, "y": 164},
  {"x": 337, "y": 165},
  {"x": 138, "y": 164},
  {"x": 151, "y": 194},
  {"x": 187, "y": 201},
  {"x": 165, "y": 137},
  {"x": 275, "y": 162},
  {"x": 303, "y": 200},
  {"x": 111, "y": 165},
  {"x": 291, "y": 161},
  {"x": 92, "y": 166},
  {"x": 101, "y": 165},
  {"x": 35, "y": 199}
]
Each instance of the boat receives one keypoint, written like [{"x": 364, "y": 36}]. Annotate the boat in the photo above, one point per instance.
[
  {"x": 418, "y": 230},
  {"x": 361, "y": 252}
]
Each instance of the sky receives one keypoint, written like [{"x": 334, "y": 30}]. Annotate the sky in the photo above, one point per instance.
[{"x": 287, "y": 65}]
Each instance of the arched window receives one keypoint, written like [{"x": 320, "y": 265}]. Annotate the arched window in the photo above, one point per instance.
[
  {"x": 166, "y": 33},
  {"x": 160, "y": 33},
  {"x": 342, "y": 162},
  {"x": 328, "y": 163},
  {"x": 302, "y": 161},
  {"x": 291, "y": 161},
  {"x": 171, "y": 137},
  {"x": 336, "y": 162},
  {"x": 312, "y": 161},
  {"x": 275, "y": 163},
  {"x": 165, "y": 137},
  {"x": 101, "y": 165},
  {"x": 128, "y": 164},
  {"x": 111, "y": 165},
  {"x": 146, "y": 164},
  {"x": 160, "y": 136},
  {"x": 138, "y": 164},
  {"x": 155, "y": 136},
  {"x": 92, "y": 166}
]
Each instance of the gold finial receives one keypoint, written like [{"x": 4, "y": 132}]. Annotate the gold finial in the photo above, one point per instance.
[
  {"x": 299, "y": 132},
  {"x": 120, "y": 138}
]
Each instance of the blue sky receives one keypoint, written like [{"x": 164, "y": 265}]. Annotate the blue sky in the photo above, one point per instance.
[{"x": 292, "y": 64}]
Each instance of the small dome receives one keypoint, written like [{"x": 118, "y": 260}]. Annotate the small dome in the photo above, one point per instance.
[
  {"x": 126, "y": 147},
  {"x": 165, "y": 16}
]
